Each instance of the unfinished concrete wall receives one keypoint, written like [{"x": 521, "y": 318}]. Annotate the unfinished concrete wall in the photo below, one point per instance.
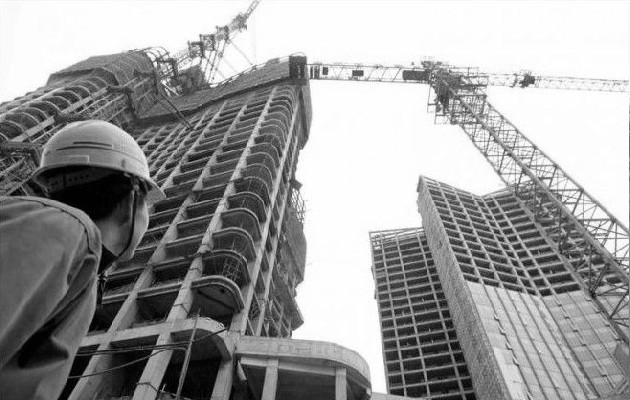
[{"x": 511, "y": 286}]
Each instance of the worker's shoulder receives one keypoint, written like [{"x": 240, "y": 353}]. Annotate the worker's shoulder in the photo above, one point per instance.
[{"x": 49, "y": 213}]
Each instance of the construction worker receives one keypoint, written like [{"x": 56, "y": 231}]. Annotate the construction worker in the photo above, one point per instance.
[{"x": 52, "y": 250}]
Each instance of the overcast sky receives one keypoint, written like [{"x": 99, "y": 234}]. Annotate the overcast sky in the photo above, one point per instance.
[{"x": 370, "y": 142}]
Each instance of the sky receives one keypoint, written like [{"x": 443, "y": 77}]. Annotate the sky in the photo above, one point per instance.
[{"x": 369, "y": 142}]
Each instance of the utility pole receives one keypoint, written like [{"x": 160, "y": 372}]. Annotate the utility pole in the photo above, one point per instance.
[{"x": 182, "y": 374}]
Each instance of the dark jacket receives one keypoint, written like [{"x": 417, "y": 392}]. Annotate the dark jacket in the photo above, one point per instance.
[{"x": 49, "y": 257}]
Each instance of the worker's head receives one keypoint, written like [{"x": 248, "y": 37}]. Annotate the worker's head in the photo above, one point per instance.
[{"x": 98, "y": 168}]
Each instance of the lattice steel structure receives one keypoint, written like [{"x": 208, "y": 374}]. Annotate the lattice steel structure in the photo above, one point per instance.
[
  {"x": 197, "y": 65},
  {"x": 422, "y": 74}
]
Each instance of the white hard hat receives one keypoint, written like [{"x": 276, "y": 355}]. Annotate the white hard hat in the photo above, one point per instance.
[{"x": 100, "y": 145}]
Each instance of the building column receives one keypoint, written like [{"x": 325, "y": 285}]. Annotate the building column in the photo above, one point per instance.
[
  {"x": 149, "y": 382},
  {"x": 271, "y": 380},
  {"x": 223, "y": 382},
  {"x": 341, "y": 384}
]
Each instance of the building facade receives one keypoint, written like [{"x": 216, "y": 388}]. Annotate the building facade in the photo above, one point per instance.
[
  {"x": 522, "y": 318},
  {"x": 206, "y": 308},
  {"x": 421, "y": 352}
]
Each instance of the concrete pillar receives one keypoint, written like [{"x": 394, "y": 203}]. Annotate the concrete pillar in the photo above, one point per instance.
[
  {"x": 149, "y": 382},
  {"x": 341, "y": 384},
  {"x": 271, "y": 381},
  {"x": 90, "y": 387},
  {"x": 223, "y": 383}
]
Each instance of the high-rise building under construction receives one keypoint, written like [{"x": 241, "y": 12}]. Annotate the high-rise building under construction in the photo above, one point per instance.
[
  {"x": 479, "y": 304},
  {"x": 486, "y": 301},
  {"x": 206, "y": 307}
]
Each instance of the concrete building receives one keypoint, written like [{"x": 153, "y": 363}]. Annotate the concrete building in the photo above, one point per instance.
[
  {"x": 482, "y": 289},
  {"x": 422, "y": 355},
  {"x": 206, "y": 308}
]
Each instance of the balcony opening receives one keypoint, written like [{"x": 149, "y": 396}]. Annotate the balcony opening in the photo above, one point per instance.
[
  {"x": 254, "y": 185},
  {"x": 217, "y": 179},
  {"x": 242, "y": 136},
  {"x": 244, "y": 219},
  {"x": 104, "y": 315},
  {"x": 211, "y": 193},
  {"x": 162, "y": 219},
  {"x": 417, "y": 391},
  {"x": 240, "y": 145},
  {"x": 153, "y": 307},
  {"x": 120, "y": 283},
  {"x": 412, "y": 365},
  {"x": 187, "y": 178},
  {"x": 263, "y": 159},
  {"x": 251, "y": 201},
  {"x": 228, "y": 264},
  {"x": 437, "y": 360},
  {"x": 201, "y": 152},
  {"x": 189, "y": 166},
  {"x": 216, "y": 297},
  {"x": 226, "y": 166},
  {"x": 152, "y": 237},
  {"x": 168, "y": 204},
  {"x": 202, "y": 208},
  {"x": 260, "y": 171},
  {"x": 229, "y": 155},
  {"x": 170, "y": 272},
  {"x": 122, "y": 382},
  {"x": 200, "y": 376},
  {"x": 267, "y": 149},
  {"x": 183, "y": 247},
  {"x": 235, "y": 239},
  {"x": 181, "y": 189},
  {"x": 270, "y": 139},
  {"x": 441, "y": 373},
  {"x": 79, "y": 365},
  {"x": 193, "y": 226},
  {"x": 444, "y": 387},
  {"x": 412, "y": 378}
]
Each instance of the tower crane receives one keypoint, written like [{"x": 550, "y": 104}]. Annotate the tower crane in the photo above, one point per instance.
[
  {"x": 197, "y": 65},
  {"x": 184, "y": 72},
  {"x": 594, "y": 242},
  {"x": 422, "y": 73}
]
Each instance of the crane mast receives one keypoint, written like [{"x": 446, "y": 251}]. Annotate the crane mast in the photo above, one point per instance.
[{"x": 594, "y": 242}]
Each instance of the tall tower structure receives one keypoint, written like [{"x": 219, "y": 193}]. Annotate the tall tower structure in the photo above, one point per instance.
[
  {"x": 421, "y": 351},
  {"x": 225, "y": 250},
  {"x": 206, "y": 308},
  {"x": 525, "y": 324}
]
